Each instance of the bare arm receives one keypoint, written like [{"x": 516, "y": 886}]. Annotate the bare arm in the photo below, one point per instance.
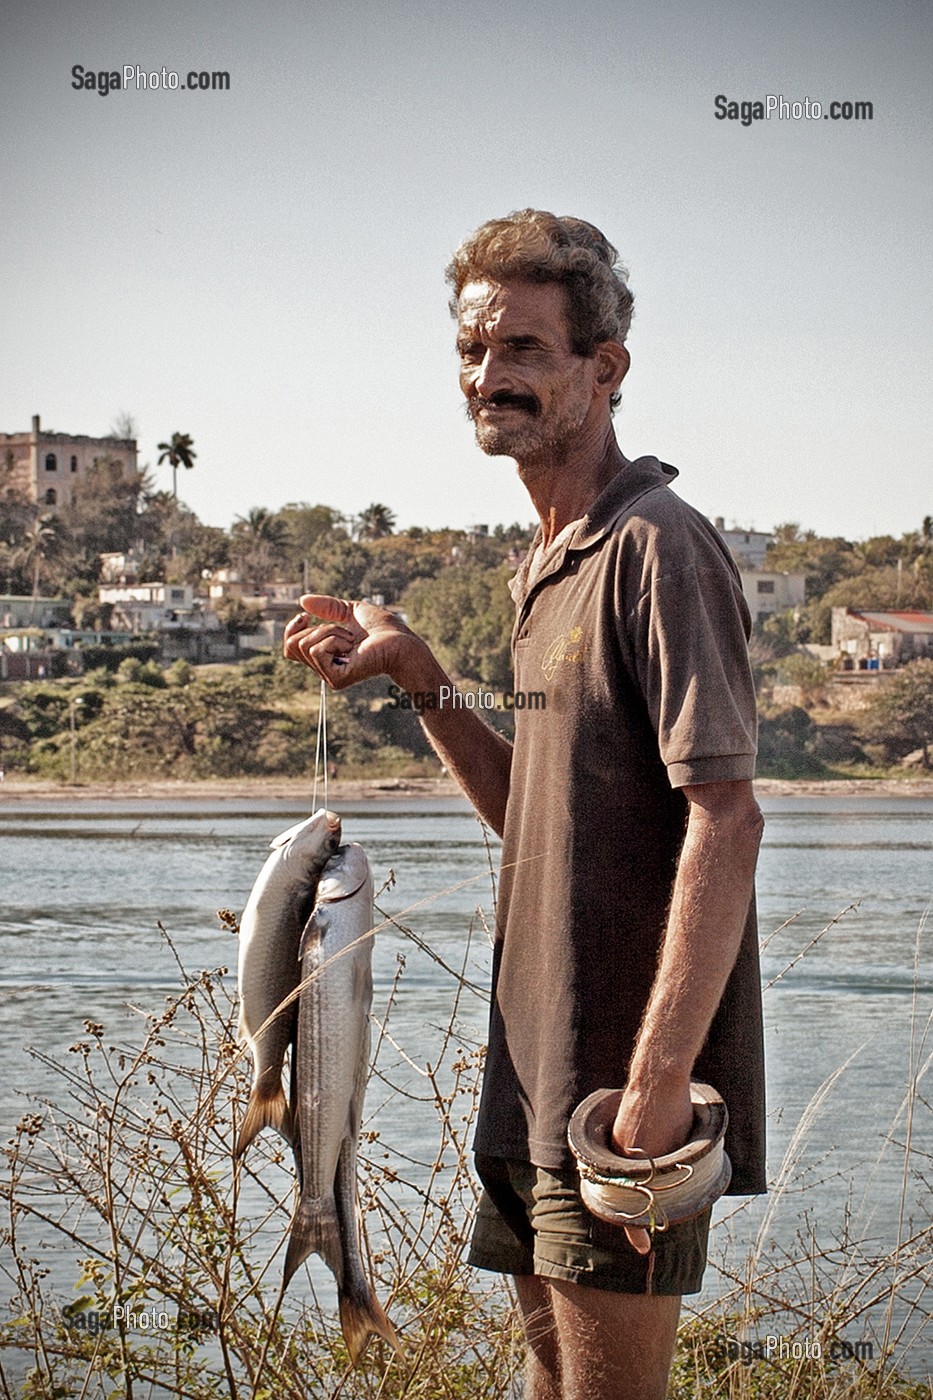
[
  {"x": 712, "y": 891},
  {"x": 359, "y": 640}
]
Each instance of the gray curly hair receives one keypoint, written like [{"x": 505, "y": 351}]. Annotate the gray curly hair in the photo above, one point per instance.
[{"x": 534, "y": 246}]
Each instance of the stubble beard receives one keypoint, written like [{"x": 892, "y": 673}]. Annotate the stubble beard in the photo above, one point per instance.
[{"x": 533, "y": 440}]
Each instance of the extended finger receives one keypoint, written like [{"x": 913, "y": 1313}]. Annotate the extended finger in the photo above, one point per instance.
[{"x": 327, "y": 608}]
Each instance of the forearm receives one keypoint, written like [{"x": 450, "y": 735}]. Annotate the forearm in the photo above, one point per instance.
[
  {"x": 474, "y": 754},
  {"x": 711, "y": 897}
]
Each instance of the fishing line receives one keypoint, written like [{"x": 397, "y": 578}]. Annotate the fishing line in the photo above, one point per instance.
[{"x": 320, "y": 746}]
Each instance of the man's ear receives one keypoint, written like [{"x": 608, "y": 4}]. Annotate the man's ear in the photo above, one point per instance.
[{"x": 612, "y": 364}]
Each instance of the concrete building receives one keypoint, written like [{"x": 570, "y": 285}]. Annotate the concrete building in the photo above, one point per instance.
[
  {"x": 768, "y": 592},
  {"x": 120, "y": 568},
  {"x": 885, "y": 638},
  {"x": 46, "y": 467},
  {"x": 21, "y": 611},
  {"x": 150, "y": 607},
  {"x": 747, "y": 547}
]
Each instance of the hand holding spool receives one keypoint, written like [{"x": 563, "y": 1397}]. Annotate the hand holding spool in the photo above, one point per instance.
[{"x": 643, "y": 1191}]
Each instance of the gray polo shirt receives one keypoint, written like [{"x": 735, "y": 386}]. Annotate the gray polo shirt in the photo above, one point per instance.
[{"x": 634, "y": 630}]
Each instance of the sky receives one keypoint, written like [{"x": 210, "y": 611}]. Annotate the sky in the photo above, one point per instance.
[{"x": 263, "y": 268}]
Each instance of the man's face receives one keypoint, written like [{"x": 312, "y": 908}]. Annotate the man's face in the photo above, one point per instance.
[{"x": 527, "y": 392}]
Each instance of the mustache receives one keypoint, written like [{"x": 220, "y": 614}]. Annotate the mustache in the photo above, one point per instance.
[{"x": 527, "y": 403}]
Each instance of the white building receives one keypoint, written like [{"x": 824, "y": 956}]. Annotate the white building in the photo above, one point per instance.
[
  {"x": 768, "y": 592},
  {"x": 747, "y": 547},
  {"x": 155, "y": 607}
]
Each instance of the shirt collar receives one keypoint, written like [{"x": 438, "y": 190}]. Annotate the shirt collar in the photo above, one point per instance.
[{"x": 634, "y": 480}]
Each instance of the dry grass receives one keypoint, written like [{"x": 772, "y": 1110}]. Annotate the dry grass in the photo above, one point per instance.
[{"x": 124, "y": 1182}]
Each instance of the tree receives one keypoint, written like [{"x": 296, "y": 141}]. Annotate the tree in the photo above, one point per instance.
[
  {"x": 178, "y": 453},
  {"x": 239, "y": 619},
  {"x": 103, "y": 516},
  {"x": 340, "y": 567},
  {"x": 261, "y": 524},
  {"x": 375, "y": 522},
  {"x": 466, "y": 616},
  {"x": 824, "y": 561},
  {"x": 309, "y": 528},
  {"x": 901, "y": 711},
  {"x": 124, "y": 425},
  {"x": 43, "y": 543},
  {"x": 258, "y": 545}
]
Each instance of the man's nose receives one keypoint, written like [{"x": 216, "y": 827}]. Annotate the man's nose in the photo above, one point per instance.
[{"x": 491, "y": 374}]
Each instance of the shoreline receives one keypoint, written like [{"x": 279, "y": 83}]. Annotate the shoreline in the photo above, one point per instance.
[{"x": 15, "y": 789}]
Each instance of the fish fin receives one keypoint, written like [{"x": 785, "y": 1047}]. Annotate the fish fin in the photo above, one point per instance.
[
  {"x": 362, "y": 1317},
  {"x": 293, "y": 1106},
  {"x": 265, "y": 1111},
  {"x": 315, "y": 1230}
]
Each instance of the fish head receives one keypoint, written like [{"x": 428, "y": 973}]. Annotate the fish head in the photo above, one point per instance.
[
  {"x": 345, "y": 874},
  {"x": 311, "y": 843}
]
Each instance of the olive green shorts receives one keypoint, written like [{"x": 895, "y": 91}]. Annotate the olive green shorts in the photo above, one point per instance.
[{"x": 532, "y": 1221}]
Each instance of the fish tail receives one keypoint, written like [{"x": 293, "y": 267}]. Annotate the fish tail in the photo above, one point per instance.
[
  {"x": 362, "y": 1317},
  {"x": 315, "y": 1230},
  {"x": 265, "y": 1110}
]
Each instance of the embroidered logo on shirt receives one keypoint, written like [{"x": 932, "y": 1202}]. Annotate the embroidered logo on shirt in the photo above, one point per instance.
[{"x": 570, "y": 648}]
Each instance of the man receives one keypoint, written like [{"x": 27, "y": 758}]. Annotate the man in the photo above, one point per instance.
[{"x": 625, "y": 947}]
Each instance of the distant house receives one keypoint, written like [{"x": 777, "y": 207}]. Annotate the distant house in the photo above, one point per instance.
[
  {"x": 747, "y": 547},
  {"x": 890, "y": 636},
  {"x": 151, "y": 607},
  {"x": 768, "y": 592},
  {"x": 20, "y": 611},
  {"x": 276, "y": 603},
  {"x": 46, "y": 467}
]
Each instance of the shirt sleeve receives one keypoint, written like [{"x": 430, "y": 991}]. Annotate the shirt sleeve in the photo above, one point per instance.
[{"x": 691, "y": 652}]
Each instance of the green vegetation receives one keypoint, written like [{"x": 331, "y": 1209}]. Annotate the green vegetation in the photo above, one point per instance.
[
  {"x": 877, "y": 573},
  {"x": 901, "y": 712},
  {"x": 452, "y": 587},
  {"x": 185, "y": 722}
]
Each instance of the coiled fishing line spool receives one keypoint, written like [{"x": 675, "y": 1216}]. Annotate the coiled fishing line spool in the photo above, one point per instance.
[{"x": 653, "y": 1192}]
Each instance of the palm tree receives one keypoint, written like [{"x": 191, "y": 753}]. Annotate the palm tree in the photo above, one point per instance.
[
  {"x": 179, "y": 452},
  {"x": 258, "y": 542},
  {"x": 375, "y": 522},
  {"x": 43, "y": 542},
  {"x": 260, "y": 524}
]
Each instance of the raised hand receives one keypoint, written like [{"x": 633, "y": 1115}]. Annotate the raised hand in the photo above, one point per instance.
[{"x": 351, "y": 641}]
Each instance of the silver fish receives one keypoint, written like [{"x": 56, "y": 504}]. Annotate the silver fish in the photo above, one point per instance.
[
  {"x": 278, "y": 908},
  {"x": 332, "y": 1063}
]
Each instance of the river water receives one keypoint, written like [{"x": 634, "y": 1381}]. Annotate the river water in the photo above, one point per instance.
[{"x": 844, "y": 888}]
